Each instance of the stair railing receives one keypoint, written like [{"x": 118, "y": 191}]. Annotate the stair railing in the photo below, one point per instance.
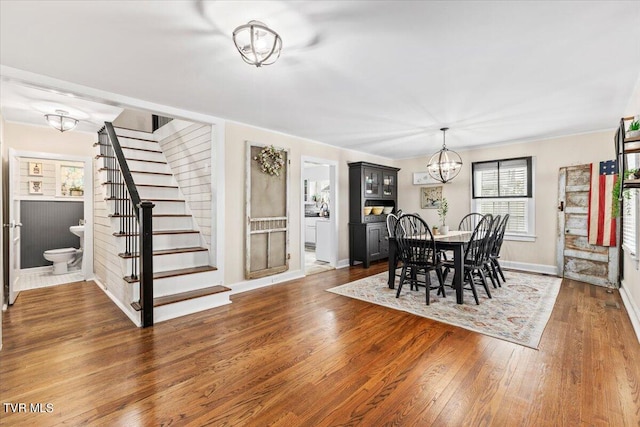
[{"x": 135, "y": 218}]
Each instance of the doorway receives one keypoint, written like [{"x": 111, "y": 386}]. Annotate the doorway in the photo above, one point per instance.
[
  {"x": 318, "y": 215},
  {"x": 46, "y": 190}
]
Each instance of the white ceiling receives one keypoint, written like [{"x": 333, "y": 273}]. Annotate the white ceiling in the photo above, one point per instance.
[{"x": 380, "y": 77}]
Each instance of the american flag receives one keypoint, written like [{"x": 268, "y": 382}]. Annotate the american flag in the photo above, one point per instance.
[{"x": 602, "y": 227}]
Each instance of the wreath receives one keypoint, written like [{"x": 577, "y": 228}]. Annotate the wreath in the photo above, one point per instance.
[{"x": 271, "y": 160}]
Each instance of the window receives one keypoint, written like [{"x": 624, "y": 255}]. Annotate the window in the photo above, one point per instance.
[
  {"x": 505, "y": 186},
  {"x": 630, "y": 213}
]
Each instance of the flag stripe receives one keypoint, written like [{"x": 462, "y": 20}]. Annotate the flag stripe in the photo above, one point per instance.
[{"x": 601, "y": 225}]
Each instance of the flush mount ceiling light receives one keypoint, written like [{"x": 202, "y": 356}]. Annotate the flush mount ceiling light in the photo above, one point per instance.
[
  {"x": 258, "y": 44},
  {"x": 61, "y": 121},
  {"x": 445, "y": 164}
]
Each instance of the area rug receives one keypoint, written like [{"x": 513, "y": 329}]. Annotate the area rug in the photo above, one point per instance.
[{"x": 518, "y": 311}]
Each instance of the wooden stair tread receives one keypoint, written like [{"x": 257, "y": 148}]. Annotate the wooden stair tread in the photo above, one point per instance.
[
  {"x": 174, "y": 273},
  {"x": 166, "y": 252},
  {"x": 154, "y": 216},
  {"x": 156, "y": 232},
  {"x": 184, "y": 296},
  {"x": 144, "y": 185},
  {"x": 130, "y": 148},
  {"x": 145, "y": 198},
  {"x": 100, "y": 156},
  {"x": 150, "y": 173}
]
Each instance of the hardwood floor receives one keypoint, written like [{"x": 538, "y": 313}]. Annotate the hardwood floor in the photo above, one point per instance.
[{"x": 293, "y": 354}]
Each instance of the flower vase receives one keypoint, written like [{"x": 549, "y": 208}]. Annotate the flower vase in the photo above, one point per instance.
[{"x": 444, "y": 229}]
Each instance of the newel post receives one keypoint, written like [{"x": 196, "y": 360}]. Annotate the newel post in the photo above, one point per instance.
[{"x": 146, "y": 262}]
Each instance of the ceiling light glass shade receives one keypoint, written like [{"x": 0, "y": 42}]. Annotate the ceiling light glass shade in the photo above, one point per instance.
[
  {"x": 61, "y": 121},
  {"x": 445, "y": 164},
  {"x": 258, "y": 44}
]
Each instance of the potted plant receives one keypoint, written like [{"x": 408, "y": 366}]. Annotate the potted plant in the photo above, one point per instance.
[
  {"x": 76, "y": 191},
  {"x": 615, "y": 192},
  {"x": 443, "y": 209},
  {"x": 634, "y": 128}
]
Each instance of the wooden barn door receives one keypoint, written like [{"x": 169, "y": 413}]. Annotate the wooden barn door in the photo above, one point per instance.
[
  {"x": 267, "y": 208},
  {"x": 577, "y": 259}
]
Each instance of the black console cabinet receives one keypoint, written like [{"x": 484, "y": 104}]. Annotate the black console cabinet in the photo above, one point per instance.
[{"x": 370, "y": 185}]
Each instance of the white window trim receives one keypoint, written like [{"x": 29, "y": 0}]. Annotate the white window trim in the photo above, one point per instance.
[
  {"x": 631, "y": 251},
  {"x": 530, "y": 214}
]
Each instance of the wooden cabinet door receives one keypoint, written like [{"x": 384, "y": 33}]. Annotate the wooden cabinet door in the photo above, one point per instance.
[{"x": 375, "y": 240}]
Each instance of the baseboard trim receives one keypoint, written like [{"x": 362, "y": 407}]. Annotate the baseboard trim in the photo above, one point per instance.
[
  {"x": 249, "y": 285},
  {"x": 343, "y": 263},
  {"x": 117, "y": 302},
  {"x": 632, "y": 309},
  {"x": 533, "y": 268}
]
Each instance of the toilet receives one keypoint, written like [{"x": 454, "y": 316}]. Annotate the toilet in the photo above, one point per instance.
[
  {"x": 61, "y": 258},
  {"x": 64, "y": 258}
]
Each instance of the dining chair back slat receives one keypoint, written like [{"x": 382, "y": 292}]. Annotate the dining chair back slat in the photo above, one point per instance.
[{"x": 470, "y": 221}]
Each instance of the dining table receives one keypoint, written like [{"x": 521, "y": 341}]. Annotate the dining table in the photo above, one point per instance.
[{"x": 455, "y": 241}]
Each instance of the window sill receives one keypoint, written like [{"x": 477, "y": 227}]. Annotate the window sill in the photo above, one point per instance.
[{"x": 520, "y": 237}]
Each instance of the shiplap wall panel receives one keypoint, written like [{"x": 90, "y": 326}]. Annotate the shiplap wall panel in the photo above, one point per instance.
[
  {"x": 48, "y": 177},
  {"x": 188, "y": 153},
  {"x": 106, "y": 263}
]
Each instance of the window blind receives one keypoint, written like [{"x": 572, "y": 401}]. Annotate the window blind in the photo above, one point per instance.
[
  {"x": 630, "y": 213},
  {"x": 502, "y": 178}
]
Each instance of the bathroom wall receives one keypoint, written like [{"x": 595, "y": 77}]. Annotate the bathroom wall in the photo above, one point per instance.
[
  {"x": 46, "y": 214},
  {"x": 45, "y": 225}
]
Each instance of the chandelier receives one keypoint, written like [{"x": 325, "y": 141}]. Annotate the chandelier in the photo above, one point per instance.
[
  {"x": 258, "y": 44},
  {"x": 61, "y": 121},
  {"x": 445, "y": 164}
]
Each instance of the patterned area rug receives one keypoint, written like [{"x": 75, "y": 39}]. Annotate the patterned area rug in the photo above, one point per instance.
[{"x": 518, "y": 311}]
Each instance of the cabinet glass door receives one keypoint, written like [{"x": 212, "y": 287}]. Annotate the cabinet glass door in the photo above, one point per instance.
[
  {"x": 371, "y": 182},
  {"x": 388, "y": 184}
]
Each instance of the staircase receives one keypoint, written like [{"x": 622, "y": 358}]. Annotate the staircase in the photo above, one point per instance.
[{"x": 182, "y": 276}]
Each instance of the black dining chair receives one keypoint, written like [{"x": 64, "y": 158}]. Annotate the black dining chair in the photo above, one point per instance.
[
  {"x": 488, "y": 266},
  {"x": 417, "y": 250},
  {"x": 469, "y": 222},
  {"x": 495, "y": 250},
  {"x": 475, "y": 254},
  {"x": 392, "y": 220}
]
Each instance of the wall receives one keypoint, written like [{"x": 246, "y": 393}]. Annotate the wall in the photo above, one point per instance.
[
  {"x": 234, "y": 203},
  {"x": 136, "y": 120},
  {"x": 107, "y": 267},
  {"x": 45, "y": 226},
  {"x": 630, "y": 290},
  {"x": 550, "y": 155},
  {"x": 187, "y": 148},
  {"x": 3, "y": 280},
  {"x": 48, "y": 140}
]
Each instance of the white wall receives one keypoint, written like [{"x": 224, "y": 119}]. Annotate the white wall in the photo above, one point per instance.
[
  {"x": 187, "y": 148},
  {"x": 136, "y": 120},
  {"x": 550, "y": 154},
  {"x": 630, "y": 290},
  {"x": 2, "y": 281},
  {"x": 48, "y": 140}
]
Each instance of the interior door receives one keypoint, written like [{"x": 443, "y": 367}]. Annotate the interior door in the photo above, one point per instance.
[
  {"x": 15, "y": 227},
  {"x": 577, "y": 259},
  {"x": 267, "y": 227}
]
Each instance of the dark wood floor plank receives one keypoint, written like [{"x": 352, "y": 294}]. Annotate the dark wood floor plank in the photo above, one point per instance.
[{"x": 294, "y": 354}]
